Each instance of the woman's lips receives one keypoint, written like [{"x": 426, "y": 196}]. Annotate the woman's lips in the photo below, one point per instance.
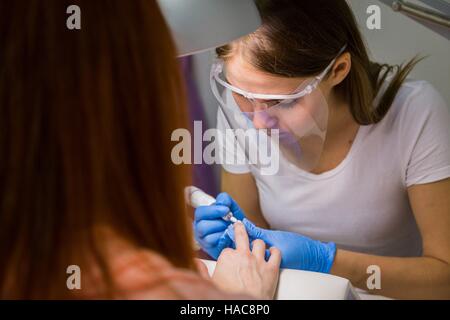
[{"x": 285, "y": 137}]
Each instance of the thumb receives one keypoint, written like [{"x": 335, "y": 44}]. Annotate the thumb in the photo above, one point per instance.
[
  {"x": 253, "y": 231},
  {"x": 225, "y": 241},
  {"x": 225, "y": 199},
  {"x": 229, "y": 232}
]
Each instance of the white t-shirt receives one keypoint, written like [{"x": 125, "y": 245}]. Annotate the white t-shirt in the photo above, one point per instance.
[{"x": 362, "y": 205}]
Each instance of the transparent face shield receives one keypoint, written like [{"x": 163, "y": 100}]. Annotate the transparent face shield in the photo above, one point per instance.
[{"x": 277, "y": 133}]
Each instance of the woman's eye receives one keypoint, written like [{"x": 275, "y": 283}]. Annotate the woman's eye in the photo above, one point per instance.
[
  {"x": 239, "y": 96},
  {"x": 287, "y": 103},
  {"x": 273, "y": 102}
]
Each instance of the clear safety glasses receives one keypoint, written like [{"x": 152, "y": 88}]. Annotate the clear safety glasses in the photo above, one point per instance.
[{"x": 247, "y": 101}]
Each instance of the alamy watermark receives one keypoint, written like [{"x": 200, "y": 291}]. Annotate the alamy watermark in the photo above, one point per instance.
[
  {"x": 373, "y": 21},
  {"x": 73, "y": 21},
  {"x": 73, "y": 281},
  {"x": 374, "y": 280},
  {"x": 227, "y": 147}
]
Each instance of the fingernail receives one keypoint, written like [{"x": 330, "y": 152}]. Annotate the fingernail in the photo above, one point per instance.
[{"x": 239, "y": 223}]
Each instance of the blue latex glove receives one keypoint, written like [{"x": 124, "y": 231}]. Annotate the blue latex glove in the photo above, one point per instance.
[
  {"x": 297, "y": 251},
  {"x": 210, "y": 230}
]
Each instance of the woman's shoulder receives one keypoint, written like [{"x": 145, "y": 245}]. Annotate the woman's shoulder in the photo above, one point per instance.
[
  {"x": 147, "y": 275},
  {"x": 418, "y": 127},
  {"x": 420, "y": 97},
  {"x": 140, "y": 273},
  {"x": 416, "y": 103}
]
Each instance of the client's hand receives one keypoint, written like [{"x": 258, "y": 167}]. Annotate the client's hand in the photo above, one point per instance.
[{"x": 246, "y": 271}]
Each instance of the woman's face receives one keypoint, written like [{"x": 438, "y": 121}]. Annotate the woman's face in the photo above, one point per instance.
[{"x": 296, "y": 119}]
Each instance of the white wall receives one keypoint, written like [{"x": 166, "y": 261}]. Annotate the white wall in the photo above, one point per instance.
[{"x": 400, "y": 39}]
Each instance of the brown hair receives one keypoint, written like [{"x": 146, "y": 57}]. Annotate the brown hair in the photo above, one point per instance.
[
  {"x": 85, "y": 119},
  {"x": 300, "y": 38}
]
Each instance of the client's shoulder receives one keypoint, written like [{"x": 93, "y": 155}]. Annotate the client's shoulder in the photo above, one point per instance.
[{"x": 140, "y": 273}]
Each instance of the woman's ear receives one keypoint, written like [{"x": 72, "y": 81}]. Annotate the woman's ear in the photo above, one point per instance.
[{"x": 340, "y": 69}]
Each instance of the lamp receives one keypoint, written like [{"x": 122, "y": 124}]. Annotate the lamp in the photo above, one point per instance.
[{"x": 200, "y": 25}]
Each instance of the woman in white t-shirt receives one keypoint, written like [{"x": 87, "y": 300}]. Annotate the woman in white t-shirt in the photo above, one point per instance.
[{"x": 379, "y": 193}]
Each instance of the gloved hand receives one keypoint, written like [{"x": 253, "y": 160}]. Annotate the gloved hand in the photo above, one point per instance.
[
  {"x": 210, "y": 229},
  {"x": 297, "y": 251}
]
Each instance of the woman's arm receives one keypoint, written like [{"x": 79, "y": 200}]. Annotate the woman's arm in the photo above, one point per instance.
[
  {"x": 242, "y": 188},
  {"x": 426, "y": 277}
]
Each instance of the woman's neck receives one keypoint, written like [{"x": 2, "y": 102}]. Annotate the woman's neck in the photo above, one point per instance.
[
  {"x": 341, "y": 133},
  {"x": 340, "y": 118}
]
